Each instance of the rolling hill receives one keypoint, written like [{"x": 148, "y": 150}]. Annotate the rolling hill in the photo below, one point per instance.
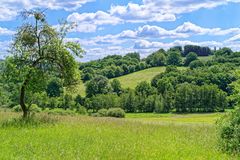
[{"x": 127, "y": 81}]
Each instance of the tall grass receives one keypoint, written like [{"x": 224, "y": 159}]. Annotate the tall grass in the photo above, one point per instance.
[{"x": 80, "y": 137}]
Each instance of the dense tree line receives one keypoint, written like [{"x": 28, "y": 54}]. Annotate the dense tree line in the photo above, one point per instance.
[
  {"x": 112, "y": 66},
  {"x": 200, "y": 51},
  {"x": 204, "y": 87}
]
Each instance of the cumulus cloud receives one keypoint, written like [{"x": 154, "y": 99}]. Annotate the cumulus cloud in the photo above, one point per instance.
[
  {"x": 144, "y": 44},
  {"x": 155, "y": 31},
  {"x": 5, "y": 31},
  {"x": 193, "y": 29},
  {"x": 88, "y": 22},
  {"x": 139, "y": 13},
  {"x": 10, "y": 8},
  {"x": 234, "y": 38},
  {"x": 4, "y": 46},
  {"x": 100, "y": 52},
  {"x": 162, "y": 10},
  {"x": 185, "y": 30}
]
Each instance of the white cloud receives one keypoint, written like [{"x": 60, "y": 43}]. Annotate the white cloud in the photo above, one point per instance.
[
  {"x": 10, "y": 8},
  {"x": 139, "y": 13},
  {"x": 155, "y": 31},
  {"x": 193, "y": 29},
  {"x": 234, "y": 38},
  {"x": 185, "y": 30},
  {"x": 5, "y": 31},
  {"x": 101, "y": 52},
  {"x": 162, "y": 10},
  {"x": 144, "y": 44},
  {"x": 88, "y": 22},
  {"x": 4, "y": 46}
]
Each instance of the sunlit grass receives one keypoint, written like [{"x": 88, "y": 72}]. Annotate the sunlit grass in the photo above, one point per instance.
[
  {"x": 82, "y": 137},
  {"x": 207, "y": 118}
]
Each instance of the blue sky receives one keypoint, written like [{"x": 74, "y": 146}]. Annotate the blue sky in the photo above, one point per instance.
[{"x": 106, "y": 27}]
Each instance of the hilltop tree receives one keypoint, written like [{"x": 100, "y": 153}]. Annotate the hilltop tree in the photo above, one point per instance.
[
  {"x": 38, "y": 50},
  {"x": 190, "y": 57},
  {"x": 174, "y": 58}
]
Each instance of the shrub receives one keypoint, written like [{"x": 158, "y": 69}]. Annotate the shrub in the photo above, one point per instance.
[
  {"x": 102, "y": 112},
  {"x": 190, "y": 57},
  {"x": 35, "y": 108},
  {"x": 229, "y": 132},
  {"x": 17, "y": 108},
  {"x": 60, "y": 111},
  {"x": 196, "y": 64},
  {"x": 81, "y": 110},
  {"x": 116, "y": 112}
]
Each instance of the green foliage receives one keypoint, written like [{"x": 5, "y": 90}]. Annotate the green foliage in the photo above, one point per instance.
[
  {"x": 98, "y": 85},
  {"x": 102, "y": 101},
  {"x": 200, "y": 51},
  {"x": 196, "y": 64},
  {"x": 128, "y": 101},
  {"x": 54, "y": 88},
  {"x": 60, "y": 111},
  {"x": 174, "y": 58},
  {"x": 193, "y": 98},
  {"x": 133, "y": 55},
  {"x": 190, "y": 57},
  {"x": 229, "y": 132},
  {"x": 112, "y": 66},
  {"x": 223, "y": 52},
  {"x": 17, "y": 108},
  {"x": 81, "y": 110},
  {"x": 79, "y": 99},
  {"x": 38, "y": 52},
  {"x": 35, "y": 109},
  {"x": 157, "y": 59},
  {"x": 102, "y": 112},
  {"x": 116, "y": 112},
  {"x": 116, "y": 86},
  {"x": 144, "y": 89},
  {"x": 68, "y": 102}
]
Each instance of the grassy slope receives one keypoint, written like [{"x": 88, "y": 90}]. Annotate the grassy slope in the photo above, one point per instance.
[
  {"x": 130, "y": 80},
  {"x": 106, "y": 138}
]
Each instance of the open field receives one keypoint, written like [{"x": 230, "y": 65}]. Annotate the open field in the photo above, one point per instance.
[
  {"x": 82, "y": 137},
  {"x": 204, "y": 118},
  {"x": 130, "y": 80}
]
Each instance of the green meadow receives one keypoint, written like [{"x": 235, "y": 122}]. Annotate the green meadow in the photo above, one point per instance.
[
  {"x": 138, "y": 136},
  {"x": 129, "y": 80}
]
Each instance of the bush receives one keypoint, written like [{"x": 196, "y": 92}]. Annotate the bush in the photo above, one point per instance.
[
  {"x": 116, "y": 112},
  {"x": 102, "y": 112},
  {"x": 229, "y": 132},
  {"x": 35, "y": 108},
  {"x": 81, "y": 110},
  {"x": 60, "y": 111},
  {"x": 17, "y": 108},
  {"x": 196, "y": 64}
]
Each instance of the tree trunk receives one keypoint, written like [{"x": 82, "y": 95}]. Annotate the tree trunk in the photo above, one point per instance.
[{"x": 22, "y": 101}]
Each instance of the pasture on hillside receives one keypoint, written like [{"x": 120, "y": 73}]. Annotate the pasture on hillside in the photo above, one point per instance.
[
  {"x": 127, "y": 81},
  {"x": 139, "y": 136}
]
